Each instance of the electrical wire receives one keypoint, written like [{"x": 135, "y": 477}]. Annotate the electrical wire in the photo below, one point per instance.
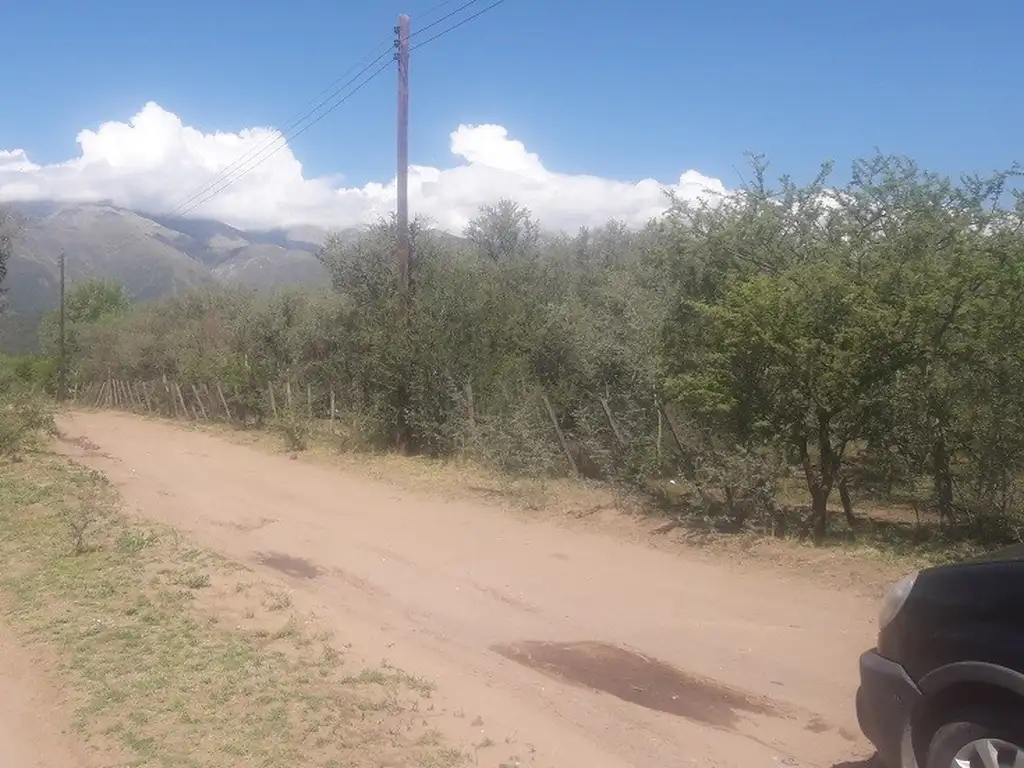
[
  {"x": 276, "y": 136},
  {"x": 432, "y": 10},
  {"x": 223, "y": 179},
  {"x": 317, "y": 119},
  {"x": 458, "y": 24},
  {"x": 285, "y": 135},
  {"x": 444, "y": 18},
  {"x": 218, "y": 185}
]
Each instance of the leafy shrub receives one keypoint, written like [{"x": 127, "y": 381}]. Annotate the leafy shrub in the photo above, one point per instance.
[{"x": 23, "y": 420}]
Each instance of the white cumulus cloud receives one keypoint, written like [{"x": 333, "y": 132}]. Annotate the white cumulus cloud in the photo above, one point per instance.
[{"x": 155, "y": 163}]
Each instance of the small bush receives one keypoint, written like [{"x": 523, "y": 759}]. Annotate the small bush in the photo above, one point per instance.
[
  {"x": 296, "y": 432},
  {"x": 27, "y": 373},
  {"x": 22, "y": 421},
  {"x": 79, "y": 520}
]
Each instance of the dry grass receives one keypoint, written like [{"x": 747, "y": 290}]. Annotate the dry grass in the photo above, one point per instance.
[{"x": 176, "y": 657}]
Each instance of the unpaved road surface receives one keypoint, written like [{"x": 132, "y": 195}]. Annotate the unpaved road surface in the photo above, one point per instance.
[
  {"x": 550, "y": 647},
  {"x": 33, "y": 729}
]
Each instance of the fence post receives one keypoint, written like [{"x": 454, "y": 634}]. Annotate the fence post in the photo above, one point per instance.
[
  {"x": 181, "y": 399},
  {"x": 558, "y": 431},
  {"x": 273, "y": 402},
  {"x": 199, "y": 401},
  {"x": 172, "y": 408},
  {"x": 619, "y": 437},
  {"x": 224, "y": 402},
  {"x": 657, "y": 406}
]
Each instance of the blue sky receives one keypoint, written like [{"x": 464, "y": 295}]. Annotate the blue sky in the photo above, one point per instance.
[{"x": 622, "y": 90}]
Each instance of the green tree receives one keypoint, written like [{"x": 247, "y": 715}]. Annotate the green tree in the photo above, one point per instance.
[
  {"x": 504, "y": 231},
  {"x": 85, "y": 304},
  {"x": 800, "y": 359}
]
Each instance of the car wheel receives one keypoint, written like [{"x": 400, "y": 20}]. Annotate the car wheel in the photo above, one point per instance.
[{"x": 980, "y": 740}]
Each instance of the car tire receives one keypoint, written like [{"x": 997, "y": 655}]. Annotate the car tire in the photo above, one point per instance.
[{"x": 1005, "y": 727}]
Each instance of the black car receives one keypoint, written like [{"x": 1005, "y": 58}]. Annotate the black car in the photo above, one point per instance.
[{"x": 944, "y": 688}]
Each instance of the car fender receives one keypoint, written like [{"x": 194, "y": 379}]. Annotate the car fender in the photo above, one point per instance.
[{"x": 972, "y": 672}]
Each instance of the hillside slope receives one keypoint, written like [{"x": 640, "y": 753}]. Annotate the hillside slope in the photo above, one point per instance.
[{"x": 153, "y": 256}]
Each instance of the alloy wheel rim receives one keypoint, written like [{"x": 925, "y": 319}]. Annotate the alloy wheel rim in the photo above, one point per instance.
[{"x": 989, "y": 753}]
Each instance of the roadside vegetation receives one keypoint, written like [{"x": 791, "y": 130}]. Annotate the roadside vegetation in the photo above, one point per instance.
[
  {"x": 825, "y": 361},
  {"x": 172, "y": 656}
]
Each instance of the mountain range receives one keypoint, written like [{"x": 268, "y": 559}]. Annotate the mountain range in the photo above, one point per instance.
[{"x": 152, "y": 256}]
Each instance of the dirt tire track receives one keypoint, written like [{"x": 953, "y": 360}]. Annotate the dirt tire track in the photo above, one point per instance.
[{"x": 434, "y": 586}]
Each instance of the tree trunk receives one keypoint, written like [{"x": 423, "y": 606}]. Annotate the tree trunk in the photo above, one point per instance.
[
  {"x": 819, "y": 492},
  {"x": 819, "y": 509},
  {"x": 844, "y": 495},
  {"x": 943, "y": 480}
]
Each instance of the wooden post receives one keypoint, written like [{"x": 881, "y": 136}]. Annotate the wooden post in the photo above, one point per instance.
[
  {"x": 204, "y": 388},
  {"x": 672, "y": 429},
  {"x": 181, "y": 399},
  {"x": 199, "y": 401},
  {"x": 273, "y": 403},
  {"x": 288, "y": 395},
  {"x": 309, "y": 401},
  {"x": 402, "y": 178},
  {"x": 172, "y": 401},
  {"x": 619, "y": 437},
  {"x": 558, "y": 431},
  {"x": 145, "y": 393},
  {"x": 332, "y": 409},
  {"x": 224, "y": 402},
  {"x": 657, "y": 406}
]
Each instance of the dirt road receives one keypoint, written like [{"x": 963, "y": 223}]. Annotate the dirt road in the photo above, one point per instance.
[
  {"x": 33, "y": 730},
  {"x": 550, "y": 647}
]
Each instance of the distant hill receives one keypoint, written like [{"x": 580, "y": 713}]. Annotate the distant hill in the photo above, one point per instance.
[{"x": 153, "y": 256}]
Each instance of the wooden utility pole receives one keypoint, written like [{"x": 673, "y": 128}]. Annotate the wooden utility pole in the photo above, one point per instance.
[
  {"x": 404, "y": 245},
  {"x": 62, "y": 370}
]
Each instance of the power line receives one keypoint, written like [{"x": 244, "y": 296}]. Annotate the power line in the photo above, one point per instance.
[
  {"x": 218, "y": 185},
  {"x": 444, "y": 18},
  {"x": 287, "y": 138},
  {"x": 433, "y": 9},
  {"x": 285, "y": 134},
  {"x": 458, "y": 24},
  {"x": 223, "y": 179}
]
